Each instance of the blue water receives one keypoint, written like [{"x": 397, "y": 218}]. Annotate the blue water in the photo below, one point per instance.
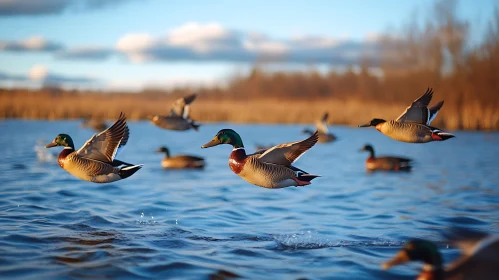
[{"x": 210, "y": 224}]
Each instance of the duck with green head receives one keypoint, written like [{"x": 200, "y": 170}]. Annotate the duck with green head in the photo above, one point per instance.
[
  {"x": 180, "y": 161},
  {"x": 95, "y": 160},
  {"x": 479, "y": 260},
  {"x": 270, "y": 168},
  {"x": 413, "y": 125},
  {"x": 420, "y": 250}
]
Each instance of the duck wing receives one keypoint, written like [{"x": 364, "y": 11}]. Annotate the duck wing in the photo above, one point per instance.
[
  {"x": 418, "y": 112},
  {"x": 434, "y": 111},
  {"x": 258, "y": 152},
  {"x": 322, "y": 124},
  {"x": 180, "y": 108},
  {"x": 286, "y": 154},
  {"x": 104, "y": 146},
  {"x": 479, "y": 260},
  {"x": 123, "y": 141}
]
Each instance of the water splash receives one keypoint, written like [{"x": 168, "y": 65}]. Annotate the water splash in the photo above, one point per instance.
[
  {"x": 310, "y": 240},
  {"x": 144, "y": 221},
  {"x": 44, "y": 155}
]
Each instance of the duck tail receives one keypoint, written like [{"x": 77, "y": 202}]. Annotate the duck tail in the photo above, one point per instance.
[
  {"x": 128, "y": 171},
  {"x": 195, "y": 125},
  {"x": 405, "y": 166},
  {"x": 307, "y": 177},
  {"x": 117, "y": 163},
  {"x": 438, "y": 135}
]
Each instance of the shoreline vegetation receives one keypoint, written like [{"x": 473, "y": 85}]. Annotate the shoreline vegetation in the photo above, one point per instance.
[
  {"x": 438, "y": 50},
  {"x": 56, "y": 104}
]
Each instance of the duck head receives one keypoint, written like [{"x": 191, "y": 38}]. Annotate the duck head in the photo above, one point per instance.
[
  {"x": 416, "y": 250},
  {"x": 373, "y": 122},
  {"x": 61, "y": 140},
  {"x": 368, "y": 148},
  {"x": 165, "y": 150},
  {"x": 225, "y": 136},
  {"x": 307, "y": 131}
]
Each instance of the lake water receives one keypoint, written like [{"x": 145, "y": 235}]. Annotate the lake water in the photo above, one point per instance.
[{"x": 210, "y": 224}]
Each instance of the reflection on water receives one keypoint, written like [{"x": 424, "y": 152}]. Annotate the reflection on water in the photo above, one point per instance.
[{"x": 211, "y": 224}]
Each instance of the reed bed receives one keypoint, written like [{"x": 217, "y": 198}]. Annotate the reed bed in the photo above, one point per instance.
[{"x": 74, "y": 105}]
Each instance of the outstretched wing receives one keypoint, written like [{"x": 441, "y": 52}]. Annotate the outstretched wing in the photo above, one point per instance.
[
  {"x": 123, "y": 141},
  {"x": 180, "y": 108},
  {"x": 103, "y": 146},
  {"x": 286, "y": 154},
  {"x": 479, "y": 258},
  {"x": 434, "y": 111},
  {"x": 322, "y": 124},
  {"x": 418, "y": 112}
]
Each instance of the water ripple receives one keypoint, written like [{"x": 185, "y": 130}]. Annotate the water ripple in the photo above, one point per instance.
[{"x": 210, "y": 224}]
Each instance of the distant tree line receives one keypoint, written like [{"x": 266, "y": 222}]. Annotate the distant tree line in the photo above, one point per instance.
[{"x": 439, "y": 51}]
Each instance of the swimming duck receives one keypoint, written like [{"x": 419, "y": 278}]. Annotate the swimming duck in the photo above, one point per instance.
[
  {"x": 479, "y": 260},
  {"x": 95, "y": 124},
  {"x": 413, "y": 125},
  {"x": 178, "y": 118},
  {"x": 324, "y": 135},
  {"x": 268, "y": 169},
  {"x": 387, "y": 163},
  {"x": 180, "y": 161},
  {"x": 95, "y": 160}
]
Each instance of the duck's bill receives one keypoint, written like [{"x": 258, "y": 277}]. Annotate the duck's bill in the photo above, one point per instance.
[
  {"x": 365, "y": 125},
  {"x": 51, "y": 144},
  {"x": 212, "y": 143},
  {"x": 400, "y": 258}
]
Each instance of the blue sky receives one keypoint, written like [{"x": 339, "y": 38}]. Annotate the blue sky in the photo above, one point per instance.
[{"x": 116, "y": 44}]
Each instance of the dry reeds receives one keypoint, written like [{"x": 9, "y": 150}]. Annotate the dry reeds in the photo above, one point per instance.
[{"x": 71, "y": 105}]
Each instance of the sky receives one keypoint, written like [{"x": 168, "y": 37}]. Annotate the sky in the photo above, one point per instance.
[{"x": 133, "y": 44}]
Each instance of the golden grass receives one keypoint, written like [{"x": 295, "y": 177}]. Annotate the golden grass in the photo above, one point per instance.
[{"x": 69, "y": 105}]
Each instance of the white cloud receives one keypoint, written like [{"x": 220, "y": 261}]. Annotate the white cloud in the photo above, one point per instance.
[
  {"x": 212, "y": 42},
  {"x": 193, "y": 33},
  {"x": 261, "y": 44},
  {"x": 135, "y": 42},
  {"x": 41, "y": 73},
  {"x": 35, "y": 43},
  {"x": 43, "y": 7},
  {"x": 195, "y": 41},
  {"x": 38, "y": 72},
  {"x": 312, "y": 42},
  {"x": 85, "y": 53}
]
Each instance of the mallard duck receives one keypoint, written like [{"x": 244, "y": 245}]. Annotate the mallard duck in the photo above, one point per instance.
[
  {"x": 413, "y": 125},
  {"x": 387, "y": 163},
  {"x": 271, "y": 168},
  {"x": 178, "y": 118},
  {"x": 93, "y": 123},
  {"x": 479, "y": 260},
  {"x": 180, "y": 161},
  {"x": 324, "y": 135},
  {"x": 95, "y": 160}
]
